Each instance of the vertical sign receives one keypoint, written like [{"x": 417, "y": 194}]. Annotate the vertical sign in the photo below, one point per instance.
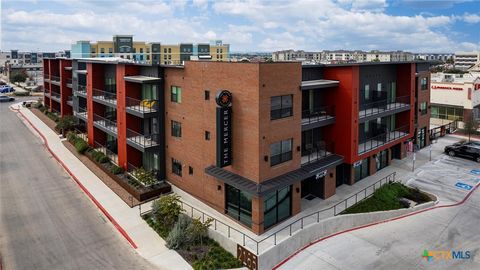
[
  {"x": 224, "y": 128},
  {"x": 248, "y": 259}
]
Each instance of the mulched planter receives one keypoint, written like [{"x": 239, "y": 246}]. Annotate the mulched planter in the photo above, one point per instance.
[{"x": 139, "y": 193}]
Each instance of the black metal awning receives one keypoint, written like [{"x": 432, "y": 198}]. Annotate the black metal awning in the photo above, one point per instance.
[{"x": 275, "y": 183}]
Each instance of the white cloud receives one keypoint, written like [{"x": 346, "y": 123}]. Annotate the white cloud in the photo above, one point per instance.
[{"x": 471, "y": 18}]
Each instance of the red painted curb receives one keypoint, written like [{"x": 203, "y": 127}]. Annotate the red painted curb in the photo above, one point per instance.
[
  {"x": 112, "y": 220},
  {"x": 375, "y": 223}
]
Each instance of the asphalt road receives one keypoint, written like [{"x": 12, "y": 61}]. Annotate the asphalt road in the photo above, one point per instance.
[
  {"x": 46, "y": 222},
  {"x": 400, "y": 244}
]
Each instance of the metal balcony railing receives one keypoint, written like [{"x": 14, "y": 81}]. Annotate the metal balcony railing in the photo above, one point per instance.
[
  {"x": 69, "y": 82},
  {"x": 383, "y": 138},
  {"x": 142, "y": 106},
  {"x": 107, "y": 152},
  {"x": 54, "y": 78},
  {"x": 70, "y": 100},
  {"x": 376, "y": 107},
  {"x": 82, "y": 90},
  {"x": 144, "y": 141},
  {"x": 318, "y": 114},
  {"x": 105, "y": 96},
  {"x": 46, "y": 77},
  {"x": 316, "y": 151},
  {"x": 106, "y": 123},
  {"x": 82, "y": 113},
  {"x": 55, "y": 95}
]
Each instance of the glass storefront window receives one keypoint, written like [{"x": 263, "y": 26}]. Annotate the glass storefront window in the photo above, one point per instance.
[
  {"x": 277, "y": 206},
  {"x": 238, "y": 205},
  {"x": 361, "y": 171}
]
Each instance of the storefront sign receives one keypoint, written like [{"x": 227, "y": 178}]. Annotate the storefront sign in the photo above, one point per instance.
[
  {"x": 320, "y": 174},
  {"x": 358, "y": 163},
  {"x": 447, "y": 88},
  {"x": 224, "y": 128},
  {"x": 248, "y": 259}
]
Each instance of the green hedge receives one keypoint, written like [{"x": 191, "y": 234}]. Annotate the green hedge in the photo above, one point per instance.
[
  {"x": 81, "y": 146},
  {"x": 117, "y": 170}
]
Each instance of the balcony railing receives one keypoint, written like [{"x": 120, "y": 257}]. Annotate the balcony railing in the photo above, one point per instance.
[
  {"x": 82, "y": 113},
  {"x": 318, "y": 114},
  {"x": 376, "y": 107},
  {"x": 69, "y": 82},
  {"x": 55, "y": 95},
  {"x": 131, "y": 168},
  {"x": 107, "y": 152},
  {"x": 46, "y": 92},
  {"x": 383, "y": 138},
  {"x": 82, "y": 90},
  {"x": 108, "y": 97},
  {"x": 141, "y": 106},
  {"x": 70, "y": 100},
  {"x": 144, "y": 141},
  {"x": 317, "y": 151},
  {"x": 54, "y": 78},
  {"x": 46, "y": 78},
  {"x": 104, "y": 122}
]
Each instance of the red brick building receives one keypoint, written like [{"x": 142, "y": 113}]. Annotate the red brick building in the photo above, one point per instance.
[{"x": 279, "y": 134}]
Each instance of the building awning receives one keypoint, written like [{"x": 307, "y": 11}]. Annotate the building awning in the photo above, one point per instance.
[
  {"x": 142, "y": 79},
  {"x": 275, "y": 183},
  {"x": 68, "y": 68},
  {"x": 315, "y": 84}
]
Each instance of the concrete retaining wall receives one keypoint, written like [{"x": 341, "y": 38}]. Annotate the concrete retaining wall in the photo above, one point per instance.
[{"x": 274, "y": 255}]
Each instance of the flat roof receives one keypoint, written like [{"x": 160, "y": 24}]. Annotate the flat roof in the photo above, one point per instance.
[
  {"x": 314, "y": 84},
  {"x": 142, "y": 79},
  {"x": 372, "y": 63},
  {"x": 275, "y": 183}
]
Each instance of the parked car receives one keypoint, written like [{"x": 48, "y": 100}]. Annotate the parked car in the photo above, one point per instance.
[
  {"x": 470, "y": 150},
  {"x": 3, "y": 83},
  {"x": 6, "y": 98},
  {"x": 6, "y": 89}
]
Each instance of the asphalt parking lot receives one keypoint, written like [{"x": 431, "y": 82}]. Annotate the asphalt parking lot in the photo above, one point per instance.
[{"x": 400, "y": 244}]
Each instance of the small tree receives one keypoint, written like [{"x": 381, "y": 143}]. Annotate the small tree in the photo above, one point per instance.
[
  {"x": 198, "y": 230},
  {"x": 470, "y": 126},
  {"x": 18, "y": 77},
  {"x": 66, "y": 123},
  {"x": 166, "y": 210}
]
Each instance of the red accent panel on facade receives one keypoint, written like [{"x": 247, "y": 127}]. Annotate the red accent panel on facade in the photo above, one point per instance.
[
  {"x": 406, "y": 86},
  {"x": 134, "y": 123},
  {"x": 345, "y": 97},
  {"x": 135, "y": 157},
  {"x": 133, "y": 90},
  {"x": 65, "y": 92},
  {"x": 99, "y": 136},
  {"x": 90, "y": 128}
]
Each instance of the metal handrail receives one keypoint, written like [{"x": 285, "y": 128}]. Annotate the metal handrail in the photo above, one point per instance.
[
  {"x": 82, "y": 89},
  {"x": 383, "y": 105},
  {"x": 383, "y": 138},
  {"x": 106, "y": 122},
  {"x": 303, "y": 221},
  {"x": 107, "y": 152},
  {"x": 320, "y": 150},
  {"x": 104, "y": 95},
  {"x": 143, "y": 106},
  {"x": 55, "y": 78},
  {"x": 141, "y": 139},
  {"x": 317, "y": 114},
  {"x": 55, "y": 94}
]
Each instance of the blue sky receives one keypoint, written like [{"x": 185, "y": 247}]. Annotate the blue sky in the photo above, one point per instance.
[{"x": 251, "y": 25}]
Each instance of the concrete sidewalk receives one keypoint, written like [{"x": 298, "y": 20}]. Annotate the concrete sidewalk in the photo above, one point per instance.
[{"x": 127, "y": 220}]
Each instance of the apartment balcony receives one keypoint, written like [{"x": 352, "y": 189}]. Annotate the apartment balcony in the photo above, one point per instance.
[
  {"x": 106, "y": 98},
  {"x": 69, "y": 83},
  {"x": 55, "y": 80},
  {"x": 46, "y": 93},
  {"x": 381, "y": 139},
  {"x": 381, "y": 107},
  {"x": 141, "y": 108},
  {"x": 46, "y": 78},
  {"x": 70, "y": 101},
  {"x": 82, "y": 114},
  {"x": 55, "y": 96},
  {"x": 318, "y": 117},
  {"x": 142, "y": 142},
  {"x": 107, "y": 152},
  {"x": 105, "y": 124},
  {"x": 81, "y": 91},
  {"x": 317, "y": 151}
]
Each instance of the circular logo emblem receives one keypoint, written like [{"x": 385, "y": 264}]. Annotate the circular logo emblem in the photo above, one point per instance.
[{"x": 224, "y": 98}]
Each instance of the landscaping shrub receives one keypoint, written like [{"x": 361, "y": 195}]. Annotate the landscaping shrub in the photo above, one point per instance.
[
  {"x": 116, "y": 170},
  {"x": 145, "y": 177},
  {"x": 197, "y": 231},
  {"x": 66, "y": 123},
  {"x": 37, "y": 105},
  {"x": 216, "y": 258},
  {"x": 178, "y": 236},
  {"x": 22, "y": 93},
  {"x": 71, "y": 137},
  {"x": 81, "y": 146},
  {"x": 166, "y": 210}
]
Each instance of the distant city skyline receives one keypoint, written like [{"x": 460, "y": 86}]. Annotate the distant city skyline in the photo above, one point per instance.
[{"x": 249, "y": 26}]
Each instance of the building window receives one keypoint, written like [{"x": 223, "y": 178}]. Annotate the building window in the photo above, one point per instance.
[
  {"x": 102, "y": 50},
  {"x": 164, "y": 50},
  {"x": 176, "y": 129},
  {"x": 207, "y": 95},
  {"x": 207, "y": 135},
  {"x": 361, "y": 171},
  {"x": 424, "y": 83},
  {"x": 190, "y": 170},
  {"x": 110, "y": 50},
  {"x": 238, "y": 205},
  {"x": 176, "y": 167},
  {"x": 423, "y": 108},
  {"x": 141, "y": 50},
  {"x": 169, "y": 50},
  {"x": 277, "y": 206},
  {"x": 446, "y": 112},
  {"x": 176, "y": 94},
  {"x": 280, "y": 152},
  {"x": 281, "y": 107}
]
